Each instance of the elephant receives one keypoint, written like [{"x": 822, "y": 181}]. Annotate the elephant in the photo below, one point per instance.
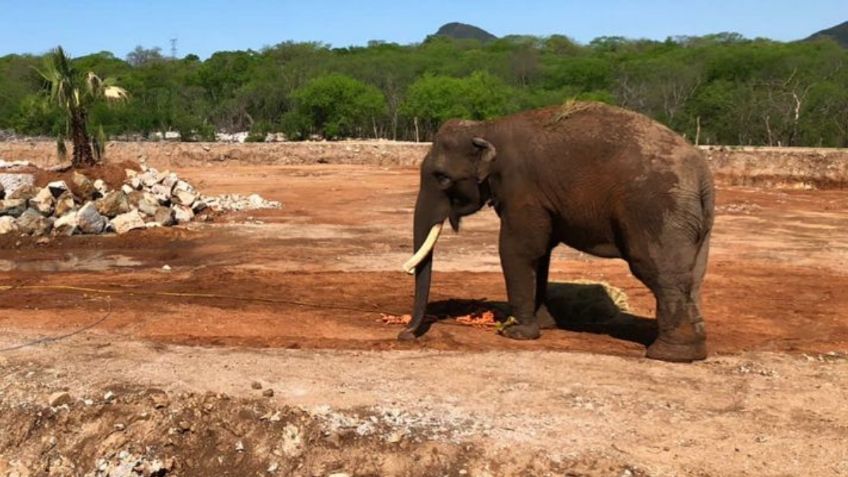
[{"x": 600, "y": 179}]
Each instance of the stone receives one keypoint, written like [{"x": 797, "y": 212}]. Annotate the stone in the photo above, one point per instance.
[
  {"x": 101, "y": 187},
  {"x": 25, "y": 192},
  {"x": 129, "y": 221},
  {"x": 145, "y": 202},
  {"x": 113, "y": 204},
  {"x": 57, "y": 188},
  {"x": 164, "y": 216},
  {"x": 59, "y": 399},
  {"x": 182, "y": 214},
  {"x": 268, "y": 392},
  {"x": 64, "y": 204},
  {"x": 183, "y": 185},
  {"x": 149, "y": 178},
  {"x": 8, "y": 225},
  {"x": 184, "y": 197},
  {"x": 256, "y": 385},
  {"x": 84, "y": 186},
  {"x": 2, "y": 191},
  {"x": 89, "y": 220},
  {"x": 135, "y": 183},
  {"x": 31, "y": 222},
  {"x": 10, "y": 182},
  {"x": 13, "y": 207},
  {"x": 66, "y": 224},
  {"x": 198, "y": 205},
  {"x": 170, "y": 180},
  {"x": 43, "y": 202},
  {"x": 162, "y": 193},
  {"x": 129, "y": 173},
  {"x": 127, "y": 189}
]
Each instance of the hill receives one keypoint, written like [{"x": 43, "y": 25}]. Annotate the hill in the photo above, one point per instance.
[
  {"x": 838, "y": 33},
  {"x": 462, "y": 31}
]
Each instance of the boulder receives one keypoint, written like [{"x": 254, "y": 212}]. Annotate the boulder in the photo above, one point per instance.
[
  {"x": 64, "y": 204},
  {"x": 164, "y": 216},
  {"x": 66, "y": 224},
  {"x": 13, "y": 207},
  {"x": 43, "y": 202},
  {"x": 129, "y": 173},
  {"x": 25, "y": 192},
  {"x": 57, "y": 188},
  {"x": 127, "y": 189},
  {"x": 2, "y": 191},
  {"x": 84, "y": 186},
  {"x": 184, "y": 197},
  {"x": 182, "y": 214},
  {"x": 170, "y": 180},
  {"x": 149, "y": 178},
  {"x": 8, "y": 225},
  {"x": 113, "y": 204},
  {"x": 10, "y": 182},
  {"x": 162, "y": 193},
  {"x": 31, "y": 222},
  {"x": 145, "y": 202},
  {"x": 135, "y": 183},
  {"x": 128, "y": 221},
  {"x": 198, "y": 205},
  {"x": 89, "y": 220},
  {"x": 101, "y": 187}
]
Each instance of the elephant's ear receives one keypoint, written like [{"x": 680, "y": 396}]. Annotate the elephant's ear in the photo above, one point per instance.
[{"x": 487, "y": 157}]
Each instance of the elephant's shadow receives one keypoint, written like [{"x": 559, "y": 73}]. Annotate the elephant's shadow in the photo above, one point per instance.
[{"x": 582, "y": 307}]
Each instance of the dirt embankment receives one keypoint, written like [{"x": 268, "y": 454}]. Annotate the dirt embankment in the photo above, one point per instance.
[{"x": 751, "y": 166}]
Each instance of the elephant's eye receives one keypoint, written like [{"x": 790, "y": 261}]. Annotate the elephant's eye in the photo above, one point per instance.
[{"x": 443, "y": 179}]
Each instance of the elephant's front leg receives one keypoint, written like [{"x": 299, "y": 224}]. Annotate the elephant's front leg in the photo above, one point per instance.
[{"x": 523, "y": 245}]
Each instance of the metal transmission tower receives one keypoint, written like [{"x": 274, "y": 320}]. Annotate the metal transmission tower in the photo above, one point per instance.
[{"x": 173, "y": 48}]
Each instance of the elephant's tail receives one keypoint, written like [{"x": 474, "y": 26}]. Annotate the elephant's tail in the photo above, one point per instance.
[{"x": 707, "y": 207}]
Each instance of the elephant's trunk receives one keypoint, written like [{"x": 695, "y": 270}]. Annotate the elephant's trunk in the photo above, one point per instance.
[{"x": 430, "y": 214}]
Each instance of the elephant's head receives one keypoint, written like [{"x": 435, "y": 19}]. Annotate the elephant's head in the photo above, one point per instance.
[{"x": 453, "y": 184}]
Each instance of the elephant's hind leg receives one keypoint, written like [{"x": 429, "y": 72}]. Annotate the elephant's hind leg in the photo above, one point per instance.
[{"x": 674, "y": 271}]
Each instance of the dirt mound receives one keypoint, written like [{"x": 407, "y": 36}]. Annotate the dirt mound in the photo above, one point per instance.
[{"x": 112, "y": 173}]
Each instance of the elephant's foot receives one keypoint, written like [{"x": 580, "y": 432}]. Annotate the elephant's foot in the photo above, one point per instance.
[
  {"x": 407, "y": 335},
  {"x": 520, "y": 331},
  {"x": 677, "y": 352},
  {"x": 545, "y": 319}
]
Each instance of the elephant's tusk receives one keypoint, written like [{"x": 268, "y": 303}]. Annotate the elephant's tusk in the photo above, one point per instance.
[{"x": 426, "y": 248}]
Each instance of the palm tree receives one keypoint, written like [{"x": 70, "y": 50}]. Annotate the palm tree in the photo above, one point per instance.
[{"x": 75, "y": 92}]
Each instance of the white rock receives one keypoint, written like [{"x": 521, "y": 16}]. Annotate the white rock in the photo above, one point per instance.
[
  {"x": 129, "y": 221},
  {"x": 66, "y": 224},
  {"x": 182, "y": 214},
  {"x": 32, "y": 222},
  {"x": 149, "y": 204},
  {"x": 59, "y": 398},
  {"x": 101, "y": 186},
  {"x": 89, "y": 220},
  {"x": 13, "y": 207},
  {"x": 43, "y": 201},
  {"x": 135, "y": 183},
  {"x": 57, "y": 188},
  {"x": 149, "y": 178},
  {"x": 130, "y": 173},
  {"x": 126, "y": 189},
  {"x": 170, "y": 180},
  {"x": 184, "y": 197},
  {"x": 8, "y": 225},
  {"x": 12, "y": 182},
  {"x": 162, "y": 193}
]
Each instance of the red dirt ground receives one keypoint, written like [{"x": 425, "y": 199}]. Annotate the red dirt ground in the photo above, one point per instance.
[{"x": 776, "y": 280}]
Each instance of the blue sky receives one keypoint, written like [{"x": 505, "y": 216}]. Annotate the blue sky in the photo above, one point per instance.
[{"x": 203, "y": 27}]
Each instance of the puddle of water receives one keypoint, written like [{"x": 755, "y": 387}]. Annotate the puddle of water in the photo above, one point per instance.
[{"x": 95, "y": 262}]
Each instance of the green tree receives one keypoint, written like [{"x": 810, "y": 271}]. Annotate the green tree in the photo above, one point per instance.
[{"x": 335, "y": 106}]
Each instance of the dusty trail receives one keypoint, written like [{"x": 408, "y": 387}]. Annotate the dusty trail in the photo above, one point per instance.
[{"x": 768, "y": 402}]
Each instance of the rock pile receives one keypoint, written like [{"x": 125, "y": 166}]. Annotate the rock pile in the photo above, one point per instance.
[{"x": 146, "y": 199}]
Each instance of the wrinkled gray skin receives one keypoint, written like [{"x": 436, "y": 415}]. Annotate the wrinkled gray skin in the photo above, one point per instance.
[{"x": 599, "y": 179}]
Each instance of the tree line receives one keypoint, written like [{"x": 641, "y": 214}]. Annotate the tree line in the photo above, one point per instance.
[{"x": 715, "y": 89}]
